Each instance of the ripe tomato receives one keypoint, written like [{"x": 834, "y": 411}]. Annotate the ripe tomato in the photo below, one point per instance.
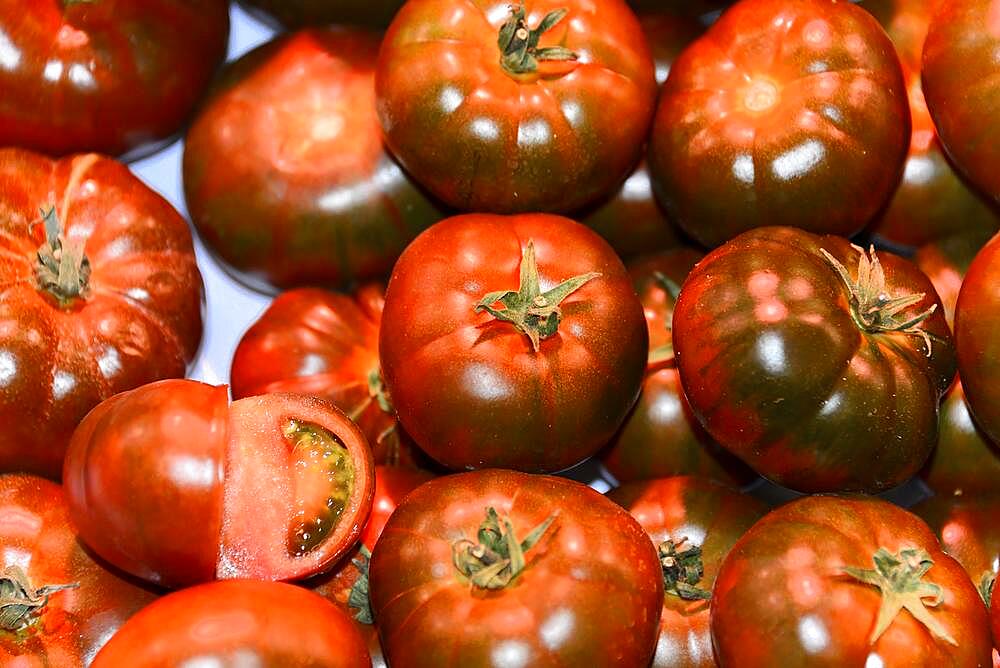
[
  {"x": 298, "y": 13},
  {"x": 112, "y": 76},
  {"x": 102, "y": 294},
  {"x": 694, "y": 523},
  {"x": 280, "y": 484},
  {"x": 962, "y": 89},
  {"x": 804, "y": 577},
  {"x": 551, "y": 120},
  {"x": 964, "y": 461},
  {"x": 514, "y": 342},
  {"x": 285, "y": 173},
  {"x": 782, "y": 109},
  {"x": 816, "y": 364},
  {"x": 238, "y": 623},
  {"x": 946, "y": 261},
  {"x": 661, "y": 437},
  {"x": 582, "y": 587},
  {"x": 996, "y": 617},
  {"x": 57, "y": 605}
]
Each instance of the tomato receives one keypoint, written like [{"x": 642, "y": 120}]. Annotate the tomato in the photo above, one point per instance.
[
  {"x": 238, "y": 623},
  {"x": 962, "y": 89},
  {"x": 995, "y": 608},
  {"x": 946, "y": 261},
  {"x": 964, "y": 461},
  {"x": 112, "y": 76},
  {"x": 574, "y": 579},
  {"x": 280, "y": 484},
  {"x": 551, "y": 120},
  {"x": 816, "y": 363},
  {"x": 781, "y": 110},
  {"x": 821, "y": 581},
  {"x": 57, "y": 605},
  {"x": 514, "y": 342},
  {"x": 285, "y": 173},
  {"x": 661, "y": 437},
  {"x": 126, "y": 310},
  {"x": 694, "y": 523},
  {"x": 297, "y": 13}
]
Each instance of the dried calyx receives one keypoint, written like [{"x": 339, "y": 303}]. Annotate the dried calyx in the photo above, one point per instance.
[
  {"x": 682, "y": 570},
  {"x": 63, "y": 270},
  {"x": 519, "y": 50},
  {"x": 498, "y": 557},
  {"x": 20, "y": 602}
]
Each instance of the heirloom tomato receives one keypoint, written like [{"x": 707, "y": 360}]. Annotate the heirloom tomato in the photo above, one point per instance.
[
  {"x": 783, "y": 111},
  {"x": 514, "y": 342},
  {"x": 962, "y": 87},
  {"x": 112, "y": 76},
  {"x": 298, "y": 13},
  {"x": 238, "y": 623},
  {"x": 501, "y": 107},
  {"x": 854, "y": 581},
  {"x": 173, "y": 484},
  {"x": 57, "y": 605},
  {"x": 819, "y": 364},
  {"x": 964, "y": 461},
  {"x": 693, "y": 522},
  {"x": 504, "y": 568},
  {"x": 101, "y": 294},
  {"x": 946, "y": 261}
]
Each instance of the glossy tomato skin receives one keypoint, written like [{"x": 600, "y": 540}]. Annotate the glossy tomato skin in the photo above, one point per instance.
[
  {"x": 38, "y": 538},
  {"x": 824, "y": 616},
  {"x": 779, "y": 111},
  {"x": 779, "y": 371},
  {"x": 964, "y": 461},
  {"x": 708, "y": 515},
  {"x": 285, "y": 173},
  {"x": 482, "y": 139},
  {"x": 469, "y": 388},
  {"x": 968, "y": 526},
  {"x": 946, "y": 261},
  {"x": 298, "y": 13},
  {"x": 240, "y": 622},
  {"x": 114, "y": 76},
  {"x": 963, "y": 94},
  {"x": 594, "y": 577},
  {"x": 139, "y": 318}
]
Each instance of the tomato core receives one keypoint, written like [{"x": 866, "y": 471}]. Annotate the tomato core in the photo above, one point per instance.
[{"x": 761, "y": 95}]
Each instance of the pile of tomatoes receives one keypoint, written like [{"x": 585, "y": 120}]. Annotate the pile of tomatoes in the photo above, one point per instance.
[{"x": 738, "y": 258}]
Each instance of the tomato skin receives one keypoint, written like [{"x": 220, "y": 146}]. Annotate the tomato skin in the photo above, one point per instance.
[
  {"x": 709, "y": 515},
  {"x": 464, "y": 383},
  {"x": 959, "y": 68},
  {"x": 240, "y": 622},
  {"x": 115, "y": 76},
  {"x": 139, "y": 320},
  {"x": 825, "y": 617},
  {"x": 946, "y": 262},
  {"x": 968, "y": 527},
  {"x": 595, "y": 572},
  {"x": 800, "y": 124},
  {"x": 780, "y": 373},
  {"x": 552, "y": 140},
  {"x": 298, "y": 13},
  {"x": 964, "y": 461},
  {"x": 995, "y": 608}
]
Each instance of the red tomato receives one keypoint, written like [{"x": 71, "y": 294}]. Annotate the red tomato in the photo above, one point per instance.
[
  {"x": 238, "y": 623},
  {"x": 962, "y": 88},
  {"x": 551, "y": 120},
  {"x": 781, "y": 110},
  {"x": 946, "y": 261},
  {"x": 574, "y": 580},
  {"x": 112, "y": 76},
  {"x": 57, "y": 605},
  {"x": 820, "y": 582},
  {"x": 819, "y": 365},
  {"x": 125, "y": 311},
  {"x": 964, "y": 461},
  {"x": 513, "y": 342},
  {"x": 281, "y": 484},
  {"x": 296, "y": 13},
  {"x": 694, "y": 523}
]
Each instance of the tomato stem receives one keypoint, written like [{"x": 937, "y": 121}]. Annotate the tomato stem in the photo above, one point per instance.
[
  {"x": 63, "y": 269},
  {"x": 519, "y": 51},
  {"x": 359, "y": 598},
  {"x": 20, "y": 602},
  {"x": 498, "y": 557}
]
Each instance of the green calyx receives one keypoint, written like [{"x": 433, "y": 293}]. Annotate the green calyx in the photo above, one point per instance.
[
  {"x": 498, "y": 557},
  {"x": 378, "y": 391},
  {"x": 536, "y": 314},
  {"x": 987, "y": 583},
  {"x": 63, "y": 270},
  {"x": 359, "y": 598},
  {"x": 20, "y": 602},
  {"x": 519, "y": 52},
  {"x": 900, "y": 579},
  {"x": 682, "y": 570}
]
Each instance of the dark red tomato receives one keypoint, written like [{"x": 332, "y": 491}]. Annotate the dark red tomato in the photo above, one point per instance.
[
  {"x": 175, "y": 485},
  {"x": 781, "y": 110},
  {"x": 112, "y": 76},
  {"x": 995, "y": 608},
  {"x": 816, "y": 363},
  {"x": 101, "y": 294},
  {"x": 946, "y": 261},
  {"x": 238, "y": 623},
  {"x": 661, "y": 437},
  {"x": 552, "y": 119},
  {"x": 285, "y": 173},
  {"x": 57, "y": 605},
  {"x": 694, "y": 523},
  {"x": 563, "y": 576},
  {"x": 298, "y": 13},
  {"x": 821, "y": 581},
  {"x": 964, "y": 461},
  {"x": 514, "y": 342},
  {"x": 962, "y": 88}
]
